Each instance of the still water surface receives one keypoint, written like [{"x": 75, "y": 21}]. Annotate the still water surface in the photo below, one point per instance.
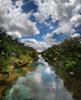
[{"x": 42, "y": 84}]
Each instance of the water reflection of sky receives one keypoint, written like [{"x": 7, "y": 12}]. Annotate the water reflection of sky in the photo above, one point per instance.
[{"x": 41, "y": 84}]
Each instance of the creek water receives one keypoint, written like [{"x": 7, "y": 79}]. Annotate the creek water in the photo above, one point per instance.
[{"x": 41, "y": 84}]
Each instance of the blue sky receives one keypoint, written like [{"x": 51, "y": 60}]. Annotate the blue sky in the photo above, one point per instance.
[
  {"x": 30, "y": 6},
  {"x": 41, "y": 23},
  {"x": 44, "y": 29}
]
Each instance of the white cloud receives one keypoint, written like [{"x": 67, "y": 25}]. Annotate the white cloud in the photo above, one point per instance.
[
  {"x": 76, "y": 20},
  {"x": 48, "y": 39},
  {"x": 39, "y": 17},
  {"x": 76, "y": 35},
  {"x": 68, "y": 28},
  {"x": 14, "y": 20},
  {"x": 14, "y": 34},
  {"x": 39, "y": 46},
  {"x": 67, "y": 12}
]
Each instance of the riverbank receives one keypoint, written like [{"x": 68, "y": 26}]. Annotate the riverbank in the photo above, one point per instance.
[
  {"x": 6, "y": 82},
  {"x": 15, "y": 60},
  {"x": 66, "y": 60},
  {"x": 41, "y": 84}
]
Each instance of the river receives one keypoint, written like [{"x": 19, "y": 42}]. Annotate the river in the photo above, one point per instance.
[{"x": 41, "y": 84}]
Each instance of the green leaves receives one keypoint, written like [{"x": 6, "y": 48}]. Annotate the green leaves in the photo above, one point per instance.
[
  {"x": 69, "y": 63},
  {"x": 66, "y": 59},
  {"x": 11, "y": 51},
  {"x": 66, "y": 55}
]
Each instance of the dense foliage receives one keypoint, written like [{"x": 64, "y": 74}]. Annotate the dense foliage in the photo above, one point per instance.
[
  {"x": 15, "y": 60},
  {"x": 66, "y": 59},
  {"x": 11, "y": 51}
]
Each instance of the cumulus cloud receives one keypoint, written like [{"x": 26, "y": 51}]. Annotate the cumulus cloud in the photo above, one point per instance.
[
  {"x": 17, "y": 23},
  {"x": 38, "y": 45},
  {"x": 39, "y": 16},
  {"x": 15, "y": 20},
  {"x": 76, "y": 20},
  {"x": 75, "y": 35},
  {"x": 49, "y": 40},
  {"x": 67, "y": 12},
  {"x": 68, "y": 28}
]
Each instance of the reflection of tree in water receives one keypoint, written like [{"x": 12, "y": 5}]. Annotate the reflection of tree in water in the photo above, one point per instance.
[
  {"x": 35, "y": 86},
  {"x": 23, "y": 90},
  {"x": 20, "y": 93},
  {"x": 41, "y": 84}
]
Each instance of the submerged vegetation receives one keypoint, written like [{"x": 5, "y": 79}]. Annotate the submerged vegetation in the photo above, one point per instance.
[
  {"x": 15, "y": 60},
  {"x": 66, "y": 59}
]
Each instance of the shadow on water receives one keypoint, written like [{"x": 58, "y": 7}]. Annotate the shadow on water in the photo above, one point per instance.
[{"x": 41, "y": 84}]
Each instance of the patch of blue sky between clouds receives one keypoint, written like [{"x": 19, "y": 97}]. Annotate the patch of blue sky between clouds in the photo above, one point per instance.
[
  {"x": 60, "y": 28},
  {"x": 43, "y": 28},
  {"x": 29, "y": 6},
  {"x": 46, "y": 26},
  {"x": 60, "y": 37},
  {"x": 78, "y": 29}
]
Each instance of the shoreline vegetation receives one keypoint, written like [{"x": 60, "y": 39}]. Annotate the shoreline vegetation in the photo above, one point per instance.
[
  {"x": 15, "y": 61},
  {"x": 66, "y": 61}
]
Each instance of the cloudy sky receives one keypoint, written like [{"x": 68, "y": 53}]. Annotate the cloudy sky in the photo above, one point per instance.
[{"x": 41, "y": 23}]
